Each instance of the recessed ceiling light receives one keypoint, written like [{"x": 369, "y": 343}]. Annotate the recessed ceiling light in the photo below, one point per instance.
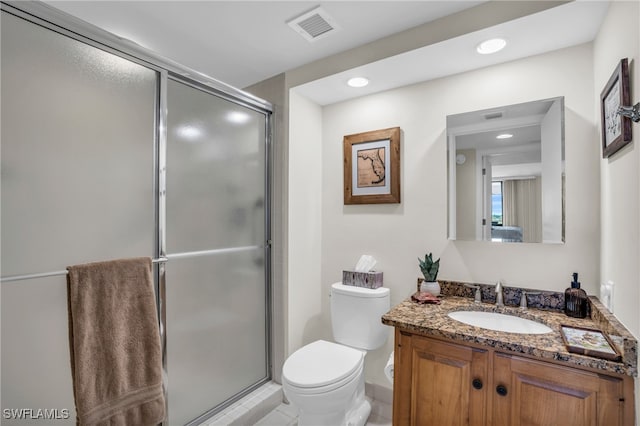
[
  {"x": 491, "y": 46},
  {"x": 358, "y": 82},
  {"x": 504, "y": 136}
]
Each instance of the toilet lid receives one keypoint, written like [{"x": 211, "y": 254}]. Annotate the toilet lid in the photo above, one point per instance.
[{"x": 321, "y": 363}]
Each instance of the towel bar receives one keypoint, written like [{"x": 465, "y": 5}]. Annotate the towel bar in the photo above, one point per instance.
[
  {"x": 55, "y": 273},
  {"x": 164, "y": 259}
]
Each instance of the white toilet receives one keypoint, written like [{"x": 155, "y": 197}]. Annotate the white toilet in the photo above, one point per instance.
[{"x": 325, "y": 380}]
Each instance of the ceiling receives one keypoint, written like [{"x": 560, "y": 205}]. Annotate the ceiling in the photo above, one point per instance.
[
  {"x": 556, "y": 28},
  {"x": 244, "y": 42}
]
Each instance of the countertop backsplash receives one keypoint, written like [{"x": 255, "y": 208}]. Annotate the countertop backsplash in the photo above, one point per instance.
[{"x": 537, "y": 299}]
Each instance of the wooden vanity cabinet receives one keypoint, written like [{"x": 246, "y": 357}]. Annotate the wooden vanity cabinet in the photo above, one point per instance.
[
  {"x": 539, "y": 393},
  {"x": 438, "y": 382}
]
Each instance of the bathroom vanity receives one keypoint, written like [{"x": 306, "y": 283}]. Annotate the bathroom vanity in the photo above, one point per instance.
[{"x": 448, "y": 372}]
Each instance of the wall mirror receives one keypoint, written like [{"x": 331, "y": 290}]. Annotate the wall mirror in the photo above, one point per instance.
[{"x": 506, "y": 173}]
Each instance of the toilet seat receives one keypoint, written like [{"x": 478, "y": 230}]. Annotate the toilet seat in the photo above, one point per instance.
[{"x": 322, "y": 366}]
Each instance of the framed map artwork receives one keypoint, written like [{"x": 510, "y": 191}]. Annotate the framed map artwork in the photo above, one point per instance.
[
  {"x": 616, "y": 129},
  {"x": 372, "y": 167}
]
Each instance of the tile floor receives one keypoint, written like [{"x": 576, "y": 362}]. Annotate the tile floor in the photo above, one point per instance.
[
  {"x": 249, "y": 409},
  {"x": 264, "y": 407},
  {"x": 285, "y": 415}
]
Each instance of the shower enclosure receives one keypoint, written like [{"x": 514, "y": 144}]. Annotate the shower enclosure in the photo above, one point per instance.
[{"x": 108, "y": 152}]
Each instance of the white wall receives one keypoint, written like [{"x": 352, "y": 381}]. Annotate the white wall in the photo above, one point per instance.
[
  {"x": 396, "y": 234},
  {"x": 619, "y": 37},
  {"x": 305, "y": 237}
]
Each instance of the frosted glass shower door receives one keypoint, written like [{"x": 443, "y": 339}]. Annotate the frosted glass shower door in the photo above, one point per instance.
[
  {"x": 77, "y": 184},
  {"x": 216, "y": 311}
]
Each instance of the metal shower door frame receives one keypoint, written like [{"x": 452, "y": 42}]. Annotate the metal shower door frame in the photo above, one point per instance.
[
  {"x": 55, "y": 20},
  {"x": 161, "y": 220}
]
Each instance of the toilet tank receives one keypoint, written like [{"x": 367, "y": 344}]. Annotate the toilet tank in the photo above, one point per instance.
[{"x": 356, "y": 315}]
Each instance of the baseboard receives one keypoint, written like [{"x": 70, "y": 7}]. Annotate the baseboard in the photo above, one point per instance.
[{"x": 379, "y": 393}]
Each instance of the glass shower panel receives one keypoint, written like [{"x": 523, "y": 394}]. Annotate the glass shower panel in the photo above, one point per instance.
[
  {"x": 215, "y": 172},
  {"x": 36, "y": 370},
  {"x": 215, "y": 203},
  {"x": 77, "y": 157},
  {"x": 77, "y": 152},
  {"x": 216, "y": 331}
]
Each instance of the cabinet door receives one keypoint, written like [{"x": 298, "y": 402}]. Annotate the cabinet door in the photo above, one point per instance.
[
  {"x": 532, "y": 393},
  {"x": 446, "y": 384}
]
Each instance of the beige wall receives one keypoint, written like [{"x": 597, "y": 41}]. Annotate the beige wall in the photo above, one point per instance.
[
  {"x": 397, "y": 234},
  {"x": 273, "y": 89}
]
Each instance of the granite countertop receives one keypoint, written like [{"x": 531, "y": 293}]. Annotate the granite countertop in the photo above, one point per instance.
[{"x": 432, "y": 320}]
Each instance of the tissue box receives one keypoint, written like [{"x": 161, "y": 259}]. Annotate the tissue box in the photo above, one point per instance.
[{"x": 362, "y": 279}]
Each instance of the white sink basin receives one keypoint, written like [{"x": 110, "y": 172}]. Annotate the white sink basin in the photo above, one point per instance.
[{"x": 500, "y": 322}]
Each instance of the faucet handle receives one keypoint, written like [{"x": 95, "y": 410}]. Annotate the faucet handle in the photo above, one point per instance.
[
  {"x": 478, "y": 294},
  {"x": 523, "y": 298},
  {"x": 499, "y": 295}
]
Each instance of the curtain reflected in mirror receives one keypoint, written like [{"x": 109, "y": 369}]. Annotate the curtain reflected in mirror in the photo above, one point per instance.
[
  {"x": 506, "y": 173},
  {"x": 522, "y": 207}
]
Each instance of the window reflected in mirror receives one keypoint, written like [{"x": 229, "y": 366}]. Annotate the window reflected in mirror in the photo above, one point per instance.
[{"x": 506, "y": 173}]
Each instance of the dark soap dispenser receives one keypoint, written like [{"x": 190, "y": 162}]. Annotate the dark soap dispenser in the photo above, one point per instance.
[{"x": 575, "y": 299}]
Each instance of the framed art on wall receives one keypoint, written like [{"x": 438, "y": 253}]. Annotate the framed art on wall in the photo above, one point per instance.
[
  {"x": 616, "y": 129},
  {"x": 372, "y": 167}
]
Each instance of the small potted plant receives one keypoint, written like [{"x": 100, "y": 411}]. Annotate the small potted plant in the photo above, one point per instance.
[{"x": 429, "y": 269}]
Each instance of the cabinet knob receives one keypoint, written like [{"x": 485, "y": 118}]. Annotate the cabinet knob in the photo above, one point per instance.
[
  {"x": 477, "y": 384},
  {"x": 501, "y": 390}
]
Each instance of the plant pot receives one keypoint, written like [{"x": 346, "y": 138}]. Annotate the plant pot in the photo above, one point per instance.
[{"x": 431, "y": 287}]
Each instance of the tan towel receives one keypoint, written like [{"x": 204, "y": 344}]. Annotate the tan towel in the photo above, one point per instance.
[{"x": 116, "y": 357}]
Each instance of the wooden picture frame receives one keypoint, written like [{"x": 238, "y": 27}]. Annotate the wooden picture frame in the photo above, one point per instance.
[
  {"x": 372, "y": 167},
  {"x": 616, "y": 129},
  {"x": 589, "y": 341}
]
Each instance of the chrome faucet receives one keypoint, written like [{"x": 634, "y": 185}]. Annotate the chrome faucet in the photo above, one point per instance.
[{"x": 499, "y": 295}]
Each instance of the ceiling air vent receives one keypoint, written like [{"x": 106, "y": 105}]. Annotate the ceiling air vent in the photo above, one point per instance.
[
  {"x": 493, "y": 115},
  {"x": 314, "y": 25}
]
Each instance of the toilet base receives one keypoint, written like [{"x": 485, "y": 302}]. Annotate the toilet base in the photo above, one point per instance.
[
  {"x": 359, "y": 415},
  {"x": 355, "y": 413},
  {"x": 356, "y": 416}
]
